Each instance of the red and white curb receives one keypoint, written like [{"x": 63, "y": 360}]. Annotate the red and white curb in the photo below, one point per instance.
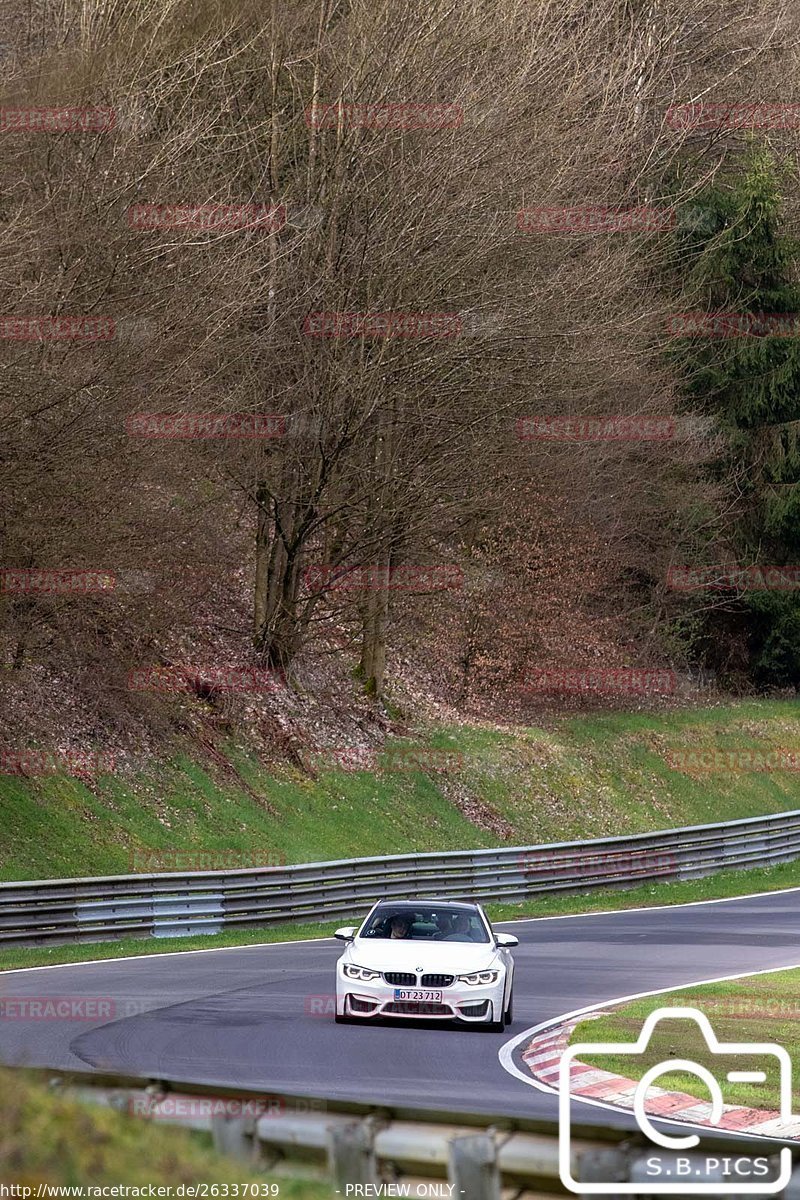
[{"x": 543, "y": 1059}]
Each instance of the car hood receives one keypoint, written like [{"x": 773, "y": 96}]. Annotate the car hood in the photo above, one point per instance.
[{"x": 448, "y": 958}]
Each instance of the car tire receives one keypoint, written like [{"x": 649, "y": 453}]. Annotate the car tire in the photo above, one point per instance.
[{"x": 508, "y": 1015}]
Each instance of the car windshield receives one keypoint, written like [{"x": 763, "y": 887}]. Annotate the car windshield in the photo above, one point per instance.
[{"x": 422, "y": 922}]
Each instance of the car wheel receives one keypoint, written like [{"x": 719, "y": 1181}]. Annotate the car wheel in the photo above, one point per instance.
[{"x": 508, "y": 1015}]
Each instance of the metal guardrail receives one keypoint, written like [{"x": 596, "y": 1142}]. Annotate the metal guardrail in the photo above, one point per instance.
[
  {"x": 173, "y": 904},
  {"x": 482, "y": 1156}
]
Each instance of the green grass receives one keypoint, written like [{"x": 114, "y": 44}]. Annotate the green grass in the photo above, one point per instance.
[
  {"x": 584, "y": 777},
  {"x": 50, "y": 1138},
  {"x": 721, "y": 885},
  {"x": 756, "y": 1008}
]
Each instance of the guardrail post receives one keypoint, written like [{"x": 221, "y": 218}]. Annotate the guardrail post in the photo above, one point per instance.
[
  {"x": 233, "y": 1136},
  {"x": 472, "y": 1167},
  {"x": 603, "y": 1166},
  {"x": 351, "y": 1153}
]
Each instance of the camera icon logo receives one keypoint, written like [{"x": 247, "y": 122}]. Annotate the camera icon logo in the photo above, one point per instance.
[{"x": 686, "y": 1180}]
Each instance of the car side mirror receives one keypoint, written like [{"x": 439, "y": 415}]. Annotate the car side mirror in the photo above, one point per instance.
[
  {"x": 506, "y": 940},
  {"x": 346, "y": 933}
]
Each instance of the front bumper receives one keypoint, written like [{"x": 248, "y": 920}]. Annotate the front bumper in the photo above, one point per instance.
[{"x": 479, "y": 1005}]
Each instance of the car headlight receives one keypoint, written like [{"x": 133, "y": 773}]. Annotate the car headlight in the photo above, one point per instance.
[
  {"x": 480, "y": 977},
  {"x": 362, "y": 973}
]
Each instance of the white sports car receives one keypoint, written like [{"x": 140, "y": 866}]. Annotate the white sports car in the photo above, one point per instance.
[{"x": 426, "y": 959}]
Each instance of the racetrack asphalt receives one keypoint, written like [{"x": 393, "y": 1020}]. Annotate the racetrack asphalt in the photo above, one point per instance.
[{"x": 248, "y": 1016}]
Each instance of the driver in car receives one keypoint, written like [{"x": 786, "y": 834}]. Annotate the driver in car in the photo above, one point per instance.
[
  {"x": 461, "y": 929},
  {"x": 400, "y": 927},
  {"x": 444, "y": 926}
]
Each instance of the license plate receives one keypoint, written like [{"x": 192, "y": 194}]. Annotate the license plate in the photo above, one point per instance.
[{"x": 417, "y": 994}]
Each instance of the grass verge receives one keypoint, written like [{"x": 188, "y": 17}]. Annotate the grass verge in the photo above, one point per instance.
[
  {"x": 756, "y": 1008},
  {"x": 50, "y": 1138},
  {"x": 460, "y": 788}
]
